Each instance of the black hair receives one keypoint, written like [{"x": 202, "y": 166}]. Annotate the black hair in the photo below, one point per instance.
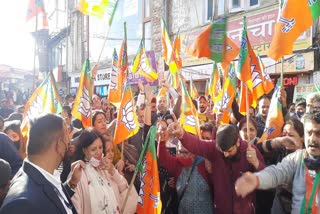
[
  {"x": 44, "y": 130},
  {"x": 87, "y": 137},
  {"x": 244, "y": 120},
  {"x": 68, "y": 110},
  {"x": 95, "y": 115},
  {"x": 297, "y": 125}
]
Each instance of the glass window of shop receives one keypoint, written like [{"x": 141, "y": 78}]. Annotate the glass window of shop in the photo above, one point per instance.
[{"x": 129, "y": 11}]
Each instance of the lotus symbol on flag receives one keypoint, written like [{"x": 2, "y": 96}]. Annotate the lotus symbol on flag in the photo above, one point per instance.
[
  {"x": 84, "y": 105},
  {"x": 113, "y": 81},
  {"x": 128, "y": 116},
  {"x": 190, "y": 120}
]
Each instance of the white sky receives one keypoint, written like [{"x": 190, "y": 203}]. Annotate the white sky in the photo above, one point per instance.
[{"x": 16, "y": 43}]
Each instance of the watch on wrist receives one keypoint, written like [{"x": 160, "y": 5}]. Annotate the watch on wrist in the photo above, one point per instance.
[{"x": 72, "y": 186}]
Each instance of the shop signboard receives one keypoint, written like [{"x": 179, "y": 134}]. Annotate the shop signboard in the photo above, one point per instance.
[{"x": 301, "y": 91}]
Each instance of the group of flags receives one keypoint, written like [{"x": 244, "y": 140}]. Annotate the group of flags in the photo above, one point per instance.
[{"x": 222, "y": 86}]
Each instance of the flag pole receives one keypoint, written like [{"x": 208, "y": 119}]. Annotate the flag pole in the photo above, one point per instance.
[
  {"x": 146, "y": 146},
  {"x": 35, "y": 52},
  {"x": 282, "y": 70},
  {"x": 247, "y": 114}
]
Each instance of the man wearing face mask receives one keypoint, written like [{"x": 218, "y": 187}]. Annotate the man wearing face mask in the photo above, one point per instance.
[
  {"x": 301, "y": 108},
  {"x": 232, "y": 158},
  {"x": 300, "y": 169},
  {"x": 34, "y": 189}
]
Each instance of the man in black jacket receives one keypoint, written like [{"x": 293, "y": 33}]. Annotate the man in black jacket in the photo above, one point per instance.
[{"x": 34, "y": 189}]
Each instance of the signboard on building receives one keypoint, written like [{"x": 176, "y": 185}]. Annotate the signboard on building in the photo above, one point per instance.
[
  {"x": 301, "y": 62},
  {"x": 102, "y": 78},
  {"x": 199, "y": 72},
  {"x": 260, "y": 24},
  {"x": 304, "y": 90}
]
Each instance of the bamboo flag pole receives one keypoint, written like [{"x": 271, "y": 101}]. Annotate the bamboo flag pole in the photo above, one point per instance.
[
  {"x": 247, "y": 115},
  {"x": 282, "y": 70}
]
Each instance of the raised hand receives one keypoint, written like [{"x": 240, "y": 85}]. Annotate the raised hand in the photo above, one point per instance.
[
  {"x": 246, "y": 184},
  {"x": 175, "y": 130},
  {"x": 252, "y": 156},
  {"x": 76, "y": 172},
  {"x": 289, "y": 143}
]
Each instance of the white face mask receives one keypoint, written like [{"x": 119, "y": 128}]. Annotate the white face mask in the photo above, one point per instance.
[{"x": 95, "y": 162}]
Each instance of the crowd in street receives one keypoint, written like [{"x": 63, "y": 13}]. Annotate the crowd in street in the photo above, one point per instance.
[{"x": 61, "y": 167}]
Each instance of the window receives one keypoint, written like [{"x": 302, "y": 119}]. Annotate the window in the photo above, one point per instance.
[
  {"x": 239, "y": 5},
  {"x": 253, "y": 3},
  {"x": 211, "y": 8},
  {"x": 236, "y": 3}
]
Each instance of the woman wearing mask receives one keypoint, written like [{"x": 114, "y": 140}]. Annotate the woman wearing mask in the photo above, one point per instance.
[
  {"x": 12, "y": 129},
  {"x": 95, "y": 193}
]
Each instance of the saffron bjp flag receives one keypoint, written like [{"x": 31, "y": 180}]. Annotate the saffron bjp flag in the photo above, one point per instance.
[
  {"x": 174, "y": 80},
  {"x": 244, "y": 93},
  {"x": 189, "y": 115},
  {"x": 115, "y": 86},
  {"x": 35, "y": 10},
  {"x": 215, "y": 83},
  {"x": 166, "y": 42},
  {"x": 267, "y": 82},
  {"x": 295, "y": 17},
  {"x": 244, "y": 68},
  {"x": 258, "y": 80},
  {"x": 82, "y": 105},
  {"x": 45, "y": 99},
  {"x": 162, "y": 92},
  {"x": 123, "y": 56},
  {"x": 231, "y": 51},
  {"x": 275, "y": 119},
  {"x": 210, "y": 43},
  {"x": 193, "y": 90},
  {"x": 97, "y": 7},
  {"x": 149, "y": 201},
  {"x": 175, "y": 63},
  {"x": 226, "y": 96},
  {"x": 128, "y": 124},
  {"x": 142, "y": 66}
]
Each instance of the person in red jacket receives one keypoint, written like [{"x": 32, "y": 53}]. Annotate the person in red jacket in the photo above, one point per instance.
[{"x": 230, "y": 157}]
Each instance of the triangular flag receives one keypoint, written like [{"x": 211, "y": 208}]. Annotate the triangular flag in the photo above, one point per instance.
[
  {"x": 142, "y": 66},
  {"x": 82, "y": 105},
  {"x": 295, "y": 17},
  {"x": 115, "y": 87},
  {"x": 267, "y": 81},
  {"x": 215, "y": 83},
  {"x": 45, "y": 99},
  {"x": 231, "y": 51},
  {"x": 123, "y": 57},
  {"x": 128, "y": 124},
  {"x": 149, "y": 201},
  {"x": 244, "y": 93}
]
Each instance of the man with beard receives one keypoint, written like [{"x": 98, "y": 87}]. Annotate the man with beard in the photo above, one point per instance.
[
  {"x": 230, "y": 157},
  {"x": 300, "y": 169},
  {"x": 34, "y": 189}
]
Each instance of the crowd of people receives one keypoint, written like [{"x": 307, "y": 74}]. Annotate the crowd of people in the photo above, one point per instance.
[{"x": 62, "y": 167}]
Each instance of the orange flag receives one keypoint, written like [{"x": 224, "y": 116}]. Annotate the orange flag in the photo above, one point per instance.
[
  {"x": 82, "y": 104},
  {"x": 166, "y": 43},
  {"x": 244, "y": 93},
  {"x": 115, "y": 87},
  {"x": 295, "y": 17},
  {"x": 231, "y": 51},
  {"x": 215, "y": 83},
  {"x": 267, "y": 82},
  {"x": 175, "y": 60},
  {"x": 260, "y": 79},
  {"x": 189, "y": 115},
  {"x": 226, "y": 96},
  {"x": 128, "y": 124},
  {"x": 193, "y": 90},
  {"x": 211, "y": 41},
  {"x": 123, "y": 57},
  {"x": 36, "y": 9},
  {"x": 149, "y": 201},
  {"x": 275, "y": 119},
  {"x": 244, "y": 68}
]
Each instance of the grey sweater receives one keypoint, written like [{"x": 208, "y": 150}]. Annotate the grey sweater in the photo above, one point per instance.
[{"x": 291, "y": 171}]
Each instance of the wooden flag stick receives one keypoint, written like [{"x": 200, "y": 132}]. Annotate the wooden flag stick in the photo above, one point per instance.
[
  {"x": 247, "y": 115},
  {"x": 282, "y": 70}
]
